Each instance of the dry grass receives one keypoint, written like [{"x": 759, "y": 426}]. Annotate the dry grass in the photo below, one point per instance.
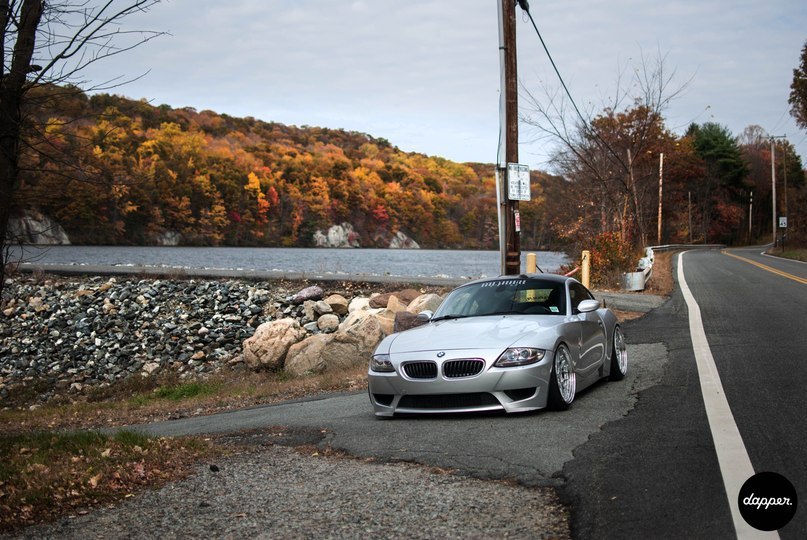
[
  {"x": 799, "y": 254},
  {"x": 48, "y": 475},
  {"x": 140, "y": 402},
  {"x": 661, "y": 282},
  {"x": 45, "y": 474}
]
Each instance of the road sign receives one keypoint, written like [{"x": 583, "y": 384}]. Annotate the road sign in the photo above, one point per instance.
[
  {"x": 518, "y": 182},
  {"x": 783, "y": 222}
]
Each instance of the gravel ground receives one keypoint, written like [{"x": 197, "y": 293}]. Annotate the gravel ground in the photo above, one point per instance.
[{"x": 279, "y": 492}]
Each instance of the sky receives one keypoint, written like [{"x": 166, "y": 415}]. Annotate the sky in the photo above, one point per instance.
[{"x": 425, "y": 74}]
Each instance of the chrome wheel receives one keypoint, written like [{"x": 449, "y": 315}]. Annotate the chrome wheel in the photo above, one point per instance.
[
  {"x": 619, "y": 356},
  {"x": 563, "y": 383}
]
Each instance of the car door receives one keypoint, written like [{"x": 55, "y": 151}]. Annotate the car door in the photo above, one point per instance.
[{"x": 592, "y": 330}]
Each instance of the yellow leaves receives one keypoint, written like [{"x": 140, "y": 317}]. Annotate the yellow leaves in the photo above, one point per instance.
[
  {"x": 253, "y": 184},
  {"x": 93, "y": 482}
]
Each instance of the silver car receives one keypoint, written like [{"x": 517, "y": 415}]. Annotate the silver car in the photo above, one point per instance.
[{"x": 512, "y": 343}]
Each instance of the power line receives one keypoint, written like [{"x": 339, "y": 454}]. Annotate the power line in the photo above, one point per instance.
[{"x": 526, "y": 8}]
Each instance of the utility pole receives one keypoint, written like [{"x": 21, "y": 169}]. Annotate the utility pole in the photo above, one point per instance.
[
  {"x": 773, "y": 189},
  {"x": 660, "y": 182},
  {"x": 511, "y": 247},
  {"x": 689, "y": 212},
  {"x": 773, "y": 183},
  {"x": 750, "y": 213}
]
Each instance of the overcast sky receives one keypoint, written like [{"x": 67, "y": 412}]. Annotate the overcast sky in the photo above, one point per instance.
[{"x": 424, "y": 74}]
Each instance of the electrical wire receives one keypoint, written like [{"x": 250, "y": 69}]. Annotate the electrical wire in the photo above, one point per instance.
[{"x": 526, "y": 8}]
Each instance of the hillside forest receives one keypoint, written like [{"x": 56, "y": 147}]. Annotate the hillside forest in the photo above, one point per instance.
[{"x": 112, "y": 170}]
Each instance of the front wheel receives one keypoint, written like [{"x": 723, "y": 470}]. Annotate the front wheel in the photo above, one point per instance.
[
  {"x": 619, "y": 357},
  {"x": 563, "y": 381}
]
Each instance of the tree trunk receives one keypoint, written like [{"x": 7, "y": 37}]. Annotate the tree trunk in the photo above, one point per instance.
[{"x": 12, "y": 89}]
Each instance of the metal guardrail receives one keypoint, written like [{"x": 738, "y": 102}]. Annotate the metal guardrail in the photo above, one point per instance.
[
  {"x": 673, "y": 247},
  {"x": 635, "y": 281}
]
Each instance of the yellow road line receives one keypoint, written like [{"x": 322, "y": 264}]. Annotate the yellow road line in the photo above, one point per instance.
[{"x": 768, "y": 268}]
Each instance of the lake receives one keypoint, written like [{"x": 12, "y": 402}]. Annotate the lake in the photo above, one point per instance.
[{"x": 350, "y": 263}]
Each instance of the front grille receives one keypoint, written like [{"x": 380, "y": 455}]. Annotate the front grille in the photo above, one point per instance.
[
  {"x": 463, "y": 368},
  {"x": 420, "y": 370},
  {"x": 448, "y": 401}
]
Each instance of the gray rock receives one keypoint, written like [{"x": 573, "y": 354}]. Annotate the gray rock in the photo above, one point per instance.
[
  {"x": 314, "y": 292},
  {"x": 267, "y": 348},
  {"x": 328, "y": 323}
]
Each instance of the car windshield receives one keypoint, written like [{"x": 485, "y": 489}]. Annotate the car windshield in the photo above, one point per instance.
[{"x": 526, "y": 296}]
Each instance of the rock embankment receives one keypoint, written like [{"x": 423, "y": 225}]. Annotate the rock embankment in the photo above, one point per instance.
[{"x": 68, "y": 336}]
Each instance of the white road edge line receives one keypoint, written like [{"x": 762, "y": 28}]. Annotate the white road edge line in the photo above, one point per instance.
[{"x": 735, "y": 465}]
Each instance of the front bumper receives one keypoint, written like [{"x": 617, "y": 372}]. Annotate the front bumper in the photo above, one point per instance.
[{"x": 513, "y": 389}]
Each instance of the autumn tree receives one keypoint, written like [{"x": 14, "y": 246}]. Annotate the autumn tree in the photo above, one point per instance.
[
  {"x": 798, "y": 91},
  {"x": 610, "y": 158},
  {"x": 722, "y": 188},
  {"x": 49, "y": 43}
]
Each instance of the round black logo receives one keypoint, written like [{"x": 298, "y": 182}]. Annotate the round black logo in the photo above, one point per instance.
[{"x": 767, "y": 501}]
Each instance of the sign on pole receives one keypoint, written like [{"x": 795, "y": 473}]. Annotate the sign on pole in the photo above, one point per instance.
[
  {"x": 518, "y": 182},
  {"x": 783, "y": 222}
]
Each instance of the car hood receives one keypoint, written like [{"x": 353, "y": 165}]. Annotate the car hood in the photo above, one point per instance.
[{"x": 489, "y": 332}]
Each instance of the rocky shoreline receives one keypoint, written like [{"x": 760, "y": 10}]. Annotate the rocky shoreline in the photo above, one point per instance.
[{"x": 68, "y": 336}]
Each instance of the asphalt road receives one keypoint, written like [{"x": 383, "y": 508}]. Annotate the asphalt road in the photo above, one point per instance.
[
  {"x": 635, "y": 458},
  {"x": 655, "y": 473}
]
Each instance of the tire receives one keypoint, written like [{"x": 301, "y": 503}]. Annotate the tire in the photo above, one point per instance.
[
  {"x": 619, "y": 357},
  {"x": 562, "y": 381}
]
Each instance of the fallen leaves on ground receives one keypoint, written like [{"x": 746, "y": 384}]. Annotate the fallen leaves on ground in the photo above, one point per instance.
[{"x": 46, "y": 475}]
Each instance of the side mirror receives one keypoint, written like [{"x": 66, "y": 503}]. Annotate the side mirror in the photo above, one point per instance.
[
  {"x": 425, "y": 316},
  {"x": 588, "y": 305}
]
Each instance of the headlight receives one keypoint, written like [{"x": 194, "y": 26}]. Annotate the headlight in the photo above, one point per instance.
[
  {"x": 381, "y": 362},
  {"x": 519, "y": 356}
]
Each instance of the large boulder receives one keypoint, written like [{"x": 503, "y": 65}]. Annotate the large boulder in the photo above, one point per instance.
[
  {"x": 405, "y": 320},
  {"x": 405, "y": 296},
  {"x": 354, "y": 317},
  {"x": 358, "y": 304},
  {"x": 328, "y": 323},
  {"x": 424, "y": 302},
  {"x": 268, "y": 346},
  {"x": 369, "y": 333},
  {"x": 386, "y": 318},
  {"x": 402, "y": 241},
  {"x": 324, "y": 352},
  {"x": 33, "y": 227},
  {"x": 337, "y": 236},
  {"x": 338, "y": 304}
]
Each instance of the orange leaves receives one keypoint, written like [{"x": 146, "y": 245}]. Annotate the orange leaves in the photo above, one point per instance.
[{"x": 217, "y": 179}]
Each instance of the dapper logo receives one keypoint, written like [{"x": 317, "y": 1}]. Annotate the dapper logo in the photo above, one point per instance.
[{"x": 767, "y": 501}]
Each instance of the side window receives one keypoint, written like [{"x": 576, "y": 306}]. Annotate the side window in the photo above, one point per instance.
[{"x": 578, "y": 293}]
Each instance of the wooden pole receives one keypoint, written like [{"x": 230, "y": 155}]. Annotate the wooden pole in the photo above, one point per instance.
[
  {"x": 512, "y": 263},
  {"x": 660, "y": 182}
]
